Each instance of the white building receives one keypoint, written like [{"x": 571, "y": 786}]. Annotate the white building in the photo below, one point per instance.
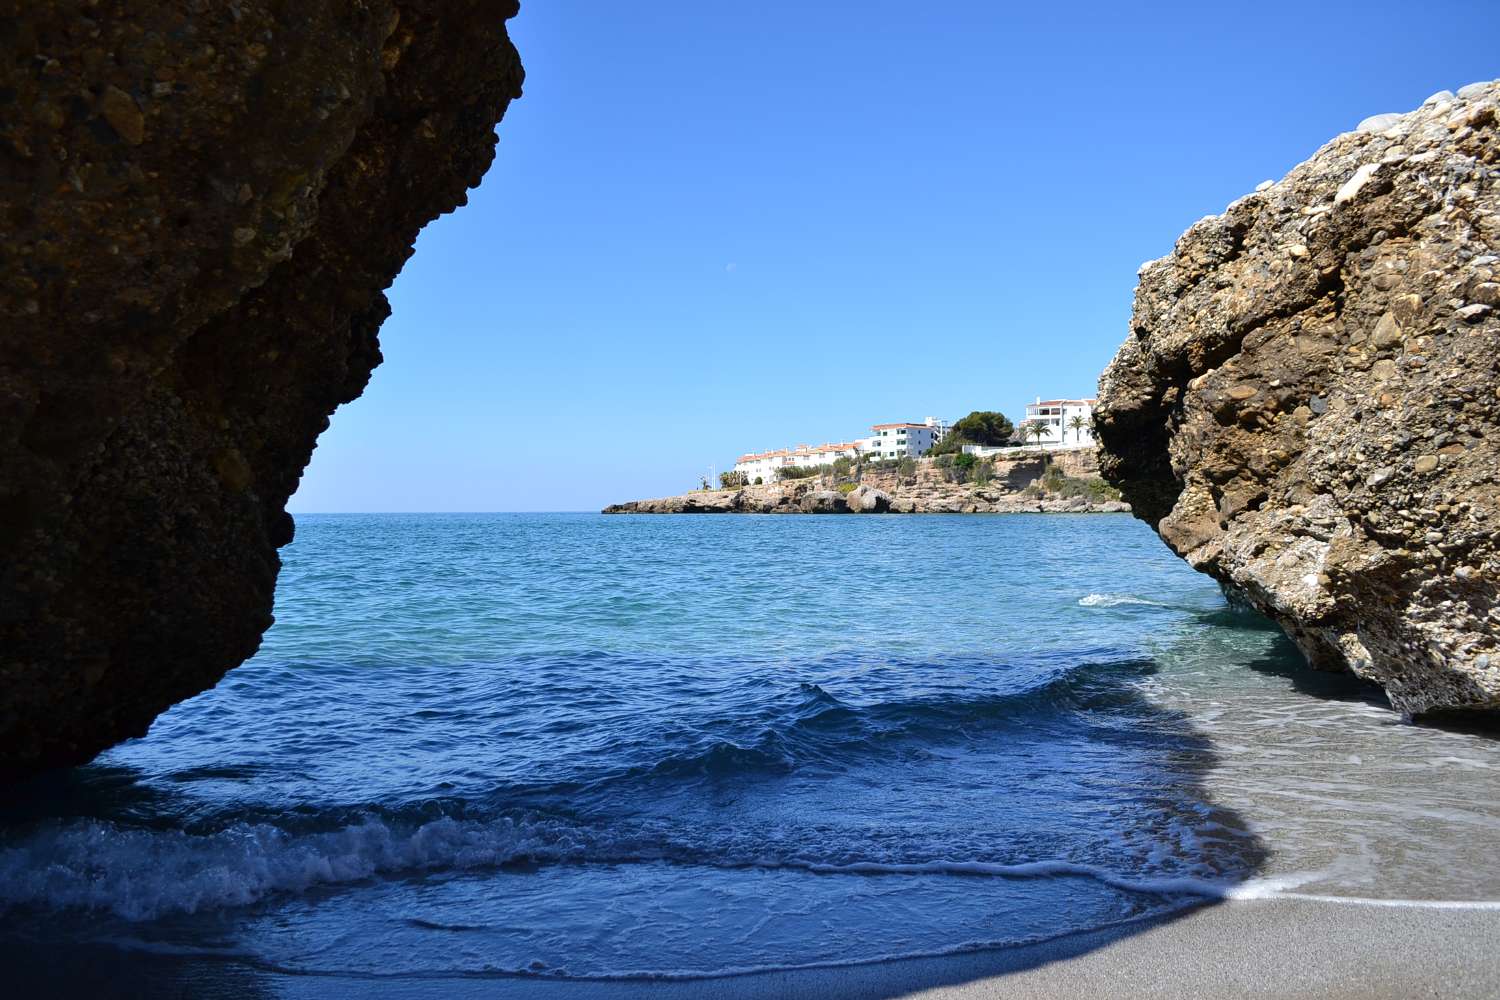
[
  {"x": 905, "y": 440},
  {"x": 940, "y": 428},
  {"x": 885, "y": 442},
  {"x": 1069, "y": 423},
  {"x": 767, "y": 465}
]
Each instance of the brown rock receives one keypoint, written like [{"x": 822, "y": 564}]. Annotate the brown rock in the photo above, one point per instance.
[
  {"x": 1345, "y": 539},
  {"x": 164, "y": 380},
  {"x": 123, "y": 115}
]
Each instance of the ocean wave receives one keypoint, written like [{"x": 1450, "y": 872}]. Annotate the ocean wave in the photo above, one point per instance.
[
  {"x": 819, "y": 728},
  {"x": 141, "y": 874}
]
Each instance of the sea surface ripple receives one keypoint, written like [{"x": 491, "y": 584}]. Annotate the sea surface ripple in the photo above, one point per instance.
[{"x": 579, "y": 746}]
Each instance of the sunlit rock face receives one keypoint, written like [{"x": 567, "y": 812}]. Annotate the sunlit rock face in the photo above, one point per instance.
[
  {"x": 200, "y": 205},
  {"x": 1307, "y": 405}
]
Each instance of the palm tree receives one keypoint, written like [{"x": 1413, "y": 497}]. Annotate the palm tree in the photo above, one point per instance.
[
  {"x": 1078, "y": 424},
  {"x": 1037, "y": 429}
]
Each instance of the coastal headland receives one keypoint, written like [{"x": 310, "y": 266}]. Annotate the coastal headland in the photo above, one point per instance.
[{"x": 1062, "y": 482}]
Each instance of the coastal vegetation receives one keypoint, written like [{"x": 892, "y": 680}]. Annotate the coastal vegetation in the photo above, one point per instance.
[
  {"x": 1055, "y": 483},
  {"x": 965, "y": 468},
  {"x": 981, "y": 427}
]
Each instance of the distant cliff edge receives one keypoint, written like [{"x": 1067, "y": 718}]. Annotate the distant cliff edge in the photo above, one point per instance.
[{"x": 1065, "y": 482}]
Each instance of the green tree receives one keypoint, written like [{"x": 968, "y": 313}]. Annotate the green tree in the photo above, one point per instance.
[
  {"x": 906, "y": 469},
  {"x": 984, "y": 427},
  {"x": 1078, "y": 424},
  {"x": 731, "y": 480},
  {"x": 1036, "y": 429}
]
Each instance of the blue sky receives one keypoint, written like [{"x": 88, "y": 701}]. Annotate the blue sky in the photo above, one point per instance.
[{"x": 718, "y": 227}]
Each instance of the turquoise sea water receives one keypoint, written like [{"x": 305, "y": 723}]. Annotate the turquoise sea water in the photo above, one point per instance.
[{"x": 575, "y": 746}]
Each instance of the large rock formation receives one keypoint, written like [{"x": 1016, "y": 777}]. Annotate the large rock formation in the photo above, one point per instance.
[
  {"x": 200, "y": 204},
  {"x": 1307, "y": 408}
]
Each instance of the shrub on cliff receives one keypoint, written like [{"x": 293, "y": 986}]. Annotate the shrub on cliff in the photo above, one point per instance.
[{"x": 1054, "y": 483}]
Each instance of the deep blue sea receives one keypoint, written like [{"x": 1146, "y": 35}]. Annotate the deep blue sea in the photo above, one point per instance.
[{"x": 576, "y": 746}]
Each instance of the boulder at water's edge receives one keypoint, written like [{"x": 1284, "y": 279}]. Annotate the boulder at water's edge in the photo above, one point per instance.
[{"x": 1308, "y": 405}]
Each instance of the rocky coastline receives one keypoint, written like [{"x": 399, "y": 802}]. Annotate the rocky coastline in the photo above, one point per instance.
[
  {"x": 1308, "y": 406},
  {"x": 1016, "y": 488}
]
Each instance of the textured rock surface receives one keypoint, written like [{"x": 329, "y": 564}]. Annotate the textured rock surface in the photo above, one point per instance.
[
  {"x": 866, "y": 499},
  {"x": 1307, "y": 408},
  {"x": 200, "y": 204}
]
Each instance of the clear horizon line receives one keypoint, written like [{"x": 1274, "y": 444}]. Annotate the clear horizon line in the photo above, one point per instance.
[{"x": 299, "y": 513}]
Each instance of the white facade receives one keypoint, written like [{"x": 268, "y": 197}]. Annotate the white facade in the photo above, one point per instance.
[
  {"x": 886, "y": 441},
  {"x": 940, "y": 428},
  {"x": 767, "y": 465},
  {"x": 1069, "y": 423},
  {"x": 889, "y": 441}
]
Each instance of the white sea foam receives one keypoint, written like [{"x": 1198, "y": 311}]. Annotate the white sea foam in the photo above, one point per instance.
[
  {"x": 1116, "y": 600},
  {"x": 1285, "y": 888},
  {"x": 146, "y": 874}
]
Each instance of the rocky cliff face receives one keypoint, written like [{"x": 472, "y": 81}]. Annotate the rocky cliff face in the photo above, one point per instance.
[
  {"x": 200, "y": 205},
  {"x": 1307, "y": 407}
]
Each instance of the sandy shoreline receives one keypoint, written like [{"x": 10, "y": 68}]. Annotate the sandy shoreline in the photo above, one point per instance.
[{"x": 1290, "y": 948}]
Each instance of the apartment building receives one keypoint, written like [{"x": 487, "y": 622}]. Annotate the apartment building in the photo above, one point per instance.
[
  {"x": 899, "y": 440},
  {"x": 1069, "y": 422},
  {"x": 767, "y": 465}
]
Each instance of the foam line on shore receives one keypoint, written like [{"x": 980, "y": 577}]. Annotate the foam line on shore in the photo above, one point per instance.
[{"x": 1171, "y": 885}]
